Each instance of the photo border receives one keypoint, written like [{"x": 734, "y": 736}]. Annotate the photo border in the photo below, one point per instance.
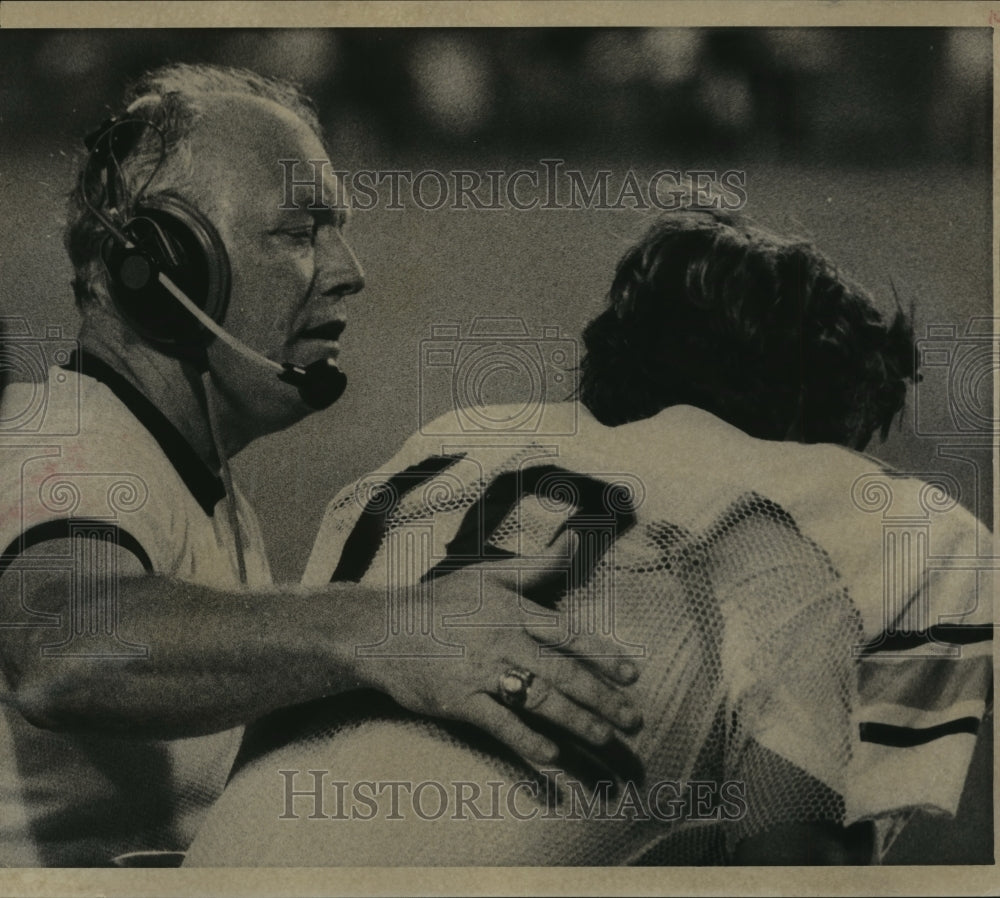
[{"x": 917, "y": 880}]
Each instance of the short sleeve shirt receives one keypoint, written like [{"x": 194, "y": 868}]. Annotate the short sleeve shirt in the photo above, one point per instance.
[{"x": 86, "y": 456}]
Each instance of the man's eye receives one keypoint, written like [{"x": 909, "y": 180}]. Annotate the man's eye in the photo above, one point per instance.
[{"x": 302, "y": 235}]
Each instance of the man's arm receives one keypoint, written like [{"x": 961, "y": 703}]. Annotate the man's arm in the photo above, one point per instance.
[
  {"x": 215, "y": 658},
  {"x": 221, "y": 658}
]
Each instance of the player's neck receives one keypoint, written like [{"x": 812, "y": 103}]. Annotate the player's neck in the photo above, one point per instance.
[{"x": 171, "y": 385}]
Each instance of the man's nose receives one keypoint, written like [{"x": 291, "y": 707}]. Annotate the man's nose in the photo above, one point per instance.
[{"x": 338, "y": 268}]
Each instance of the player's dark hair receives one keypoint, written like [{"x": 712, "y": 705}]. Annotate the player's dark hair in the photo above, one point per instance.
[{"x": 762, "y": 331}]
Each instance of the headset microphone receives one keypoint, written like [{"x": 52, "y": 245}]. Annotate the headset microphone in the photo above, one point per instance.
[{"x": 320, "y": 384}]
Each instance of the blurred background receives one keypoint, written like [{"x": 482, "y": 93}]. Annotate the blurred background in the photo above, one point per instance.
[{"x": 874, "y": 143}]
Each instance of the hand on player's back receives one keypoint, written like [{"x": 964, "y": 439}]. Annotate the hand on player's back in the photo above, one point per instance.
[{"x": 579, "y": 686}]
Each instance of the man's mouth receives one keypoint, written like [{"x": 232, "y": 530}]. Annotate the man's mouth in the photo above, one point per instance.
[
  {"x": 318, "y": 342},
  {"x": 329, "y": 331}
]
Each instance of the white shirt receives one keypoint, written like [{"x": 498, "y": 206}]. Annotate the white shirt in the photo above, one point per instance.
[{"x": 88, "y": 451}]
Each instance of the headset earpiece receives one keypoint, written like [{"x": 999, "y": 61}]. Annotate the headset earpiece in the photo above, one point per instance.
[
  {"x": 169, "y": 235},
  {"x": 166, "y": 235}
]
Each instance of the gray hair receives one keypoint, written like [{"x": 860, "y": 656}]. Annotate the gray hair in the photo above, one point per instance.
[{"x": 173, "y": 98}]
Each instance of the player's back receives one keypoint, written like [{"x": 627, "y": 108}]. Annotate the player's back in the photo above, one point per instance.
[{"x": 747, "y": 578}]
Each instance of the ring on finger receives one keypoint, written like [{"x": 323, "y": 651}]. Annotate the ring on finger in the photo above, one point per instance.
[{"x": 514, "y": 685}]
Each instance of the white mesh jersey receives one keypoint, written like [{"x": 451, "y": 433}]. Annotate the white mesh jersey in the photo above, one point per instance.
[
  {"x": 100, "y": 464},
  {"x": 812, "y": 646}
]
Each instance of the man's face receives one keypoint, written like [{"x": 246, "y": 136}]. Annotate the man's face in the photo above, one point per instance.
[{"x": 291, "y": 267}]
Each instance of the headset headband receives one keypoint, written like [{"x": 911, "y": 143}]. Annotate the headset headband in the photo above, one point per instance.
[{"x": 148, "y": 236}]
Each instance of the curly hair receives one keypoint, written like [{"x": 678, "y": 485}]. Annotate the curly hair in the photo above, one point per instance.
[
  {"x": 761, "y": 331},
  {"x": 172, "y": 98}
]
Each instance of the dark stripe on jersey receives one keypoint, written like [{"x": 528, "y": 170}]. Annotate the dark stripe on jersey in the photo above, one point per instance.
[
  {"x": 927, "y": 684},
  {"x": 953, "y": 634},
  {"x": 363, "y": 544},
  {"x": 907, "y": 737},
  {"x": 201, "y": 481},
  {"x": 595, "y": 510},
  {"x": 62, "y": 528}
]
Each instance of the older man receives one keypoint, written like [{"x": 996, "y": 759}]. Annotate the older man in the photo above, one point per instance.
[{"x": 137, "y": 601}]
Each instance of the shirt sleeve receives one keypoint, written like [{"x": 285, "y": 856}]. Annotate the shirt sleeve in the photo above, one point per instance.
[
  {"x": 827, "y": 725},
  {"x": 925, "y": 682},
  {"x": 98, "y": 486}
]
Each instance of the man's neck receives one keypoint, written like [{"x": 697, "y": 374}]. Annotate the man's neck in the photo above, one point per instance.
[{"x": 171, "y": 385}]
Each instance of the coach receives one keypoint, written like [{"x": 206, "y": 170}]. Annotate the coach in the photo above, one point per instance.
[{"x": 140, "y": 625}]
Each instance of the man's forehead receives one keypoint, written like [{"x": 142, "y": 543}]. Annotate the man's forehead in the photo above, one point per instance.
[{"x": 247, "y": 136}]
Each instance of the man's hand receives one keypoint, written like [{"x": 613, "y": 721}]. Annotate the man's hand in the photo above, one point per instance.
[
  {"x": 219, "y": 659},
  {"x": 577, "y": 688}
]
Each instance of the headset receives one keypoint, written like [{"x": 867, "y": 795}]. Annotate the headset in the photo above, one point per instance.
[{"x": 168, "y": 269}]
